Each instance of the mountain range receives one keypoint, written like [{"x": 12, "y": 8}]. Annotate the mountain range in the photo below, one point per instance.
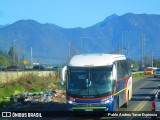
[{"x": 127, "y": 34}]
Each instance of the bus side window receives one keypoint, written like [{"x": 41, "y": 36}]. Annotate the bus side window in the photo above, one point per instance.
[
  {"x": 119, "y": 69},
  {"x": 127, "y": 69},
  {"x": 123, "y": 68},
  {"x": 158, "y": 96}
]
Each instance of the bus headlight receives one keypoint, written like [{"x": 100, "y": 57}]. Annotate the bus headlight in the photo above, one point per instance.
[
  {"x": 106, "y": 100},
  {"x": 71, "y": 101}
]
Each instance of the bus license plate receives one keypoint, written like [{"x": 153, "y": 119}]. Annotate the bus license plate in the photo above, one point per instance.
[{"x": 88, "y": 109}]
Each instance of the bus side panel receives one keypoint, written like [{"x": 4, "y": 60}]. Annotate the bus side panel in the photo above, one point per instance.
[
  {"x": 124, "y": 81},
  {"x": 129, "y": 87},
  {"x": 120, "y": 91}
]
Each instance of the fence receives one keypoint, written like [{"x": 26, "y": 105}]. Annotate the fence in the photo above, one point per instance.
[{"x": 10, "y": 76}]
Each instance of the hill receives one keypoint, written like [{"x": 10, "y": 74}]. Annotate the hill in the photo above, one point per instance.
[{"x": 53, "y": 44}]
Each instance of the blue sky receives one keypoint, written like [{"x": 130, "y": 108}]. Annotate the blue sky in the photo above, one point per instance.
[{"x": 72, "y": 13}]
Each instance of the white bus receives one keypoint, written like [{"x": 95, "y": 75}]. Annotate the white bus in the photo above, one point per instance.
[{"x": 100, "y": 82}]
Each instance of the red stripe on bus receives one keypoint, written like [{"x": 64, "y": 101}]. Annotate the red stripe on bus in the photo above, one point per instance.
[{"x": 123, "y": 78}]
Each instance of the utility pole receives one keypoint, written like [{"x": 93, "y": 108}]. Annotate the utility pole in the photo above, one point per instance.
[
  {"x": 118, "y": 49},
  {"x": 143, "y": 48},
  {"x": 14, "y": 51},
  {"x": 123, "y": 39},
  {"x": 18, "y": 55},
  {"x": 152, "y": 59},
  {"x": 31, "y": 57}
]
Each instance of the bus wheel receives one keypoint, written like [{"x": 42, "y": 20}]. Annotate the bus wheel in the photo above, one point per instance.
[
  {"x": 154, "y": 118},
  {"x": 126, "y": 104}
]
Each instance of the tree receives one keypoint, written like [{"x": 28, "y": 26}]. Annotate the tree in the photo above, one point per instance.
[
  {"x": 135, "y": 64},
  {"x": 3, "y": 60},
  {"x": 12, "y": 56},
  {"x": 156, "y": 63}
]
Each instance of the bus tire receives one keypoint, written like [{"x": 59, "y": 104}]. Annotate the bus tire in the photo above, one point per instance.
[
  {"x": 154, "y": 118},
  {"x": 126, "y": 104}
]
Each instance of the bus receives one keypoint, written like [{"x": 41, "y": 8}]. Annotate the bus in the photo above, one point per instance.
[{"x": 97, "y": 82}]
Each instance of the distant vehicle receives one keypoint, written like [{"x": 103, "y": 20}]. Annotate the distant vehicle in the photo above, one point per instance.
[
  {"x": 149, "y": 71},
  {"x": 13, "y": 68},
  {"x": 55, "y": 68},
  {"x": 157, "y": 73},
  {"x": 2, "y": 68},
  {"x": 156, "y": 103},
  {"x": 153, "y": 68},
  {"x": 38, "y": 67}
]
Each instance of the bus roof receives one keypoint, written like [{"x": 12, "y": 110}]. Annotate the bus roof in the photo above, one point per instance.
[{"x": 90, "y": 60}]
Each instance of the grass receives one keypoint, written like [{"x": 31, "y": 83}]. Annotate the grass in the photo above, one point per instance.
[
  {"x": 29, "y": 83},
  {"x": 138, "y": 75},
  {"x": 36, "y": 89}
]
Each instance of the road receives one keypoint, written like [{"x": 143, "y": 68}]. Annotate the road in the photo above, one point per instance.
[{"x": 143, "y": 90}]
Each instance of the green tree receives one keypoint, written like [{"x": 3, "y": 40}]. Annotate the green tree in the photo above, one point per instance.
[
  {"x": 156, "y": 63},
  {"x": 135, "y": 64},
  {"x": 3, "y": 60},
  {"x": 11, "y": 55}
]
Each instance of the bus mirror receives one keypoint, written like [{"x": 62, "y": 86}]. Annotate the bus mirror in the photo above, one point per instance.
[
  {"x": 114, "y": 73},
  {"x": 62, "y": 83},
  {"x": 63, "y": 73}
]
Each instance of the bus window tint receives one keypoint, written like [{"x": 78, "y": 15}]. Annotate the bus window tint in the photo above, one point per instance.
[
  {"x": 89, "y": 81},
  {"x": 123, "y": 68},
  {"x": 101, "y": 79},
  {"x": 77, "y": 78}
]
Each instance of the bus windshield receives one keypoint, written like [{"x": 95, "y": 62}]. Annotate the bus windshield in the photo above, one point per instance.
[{"x": 93, "y": 81}]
